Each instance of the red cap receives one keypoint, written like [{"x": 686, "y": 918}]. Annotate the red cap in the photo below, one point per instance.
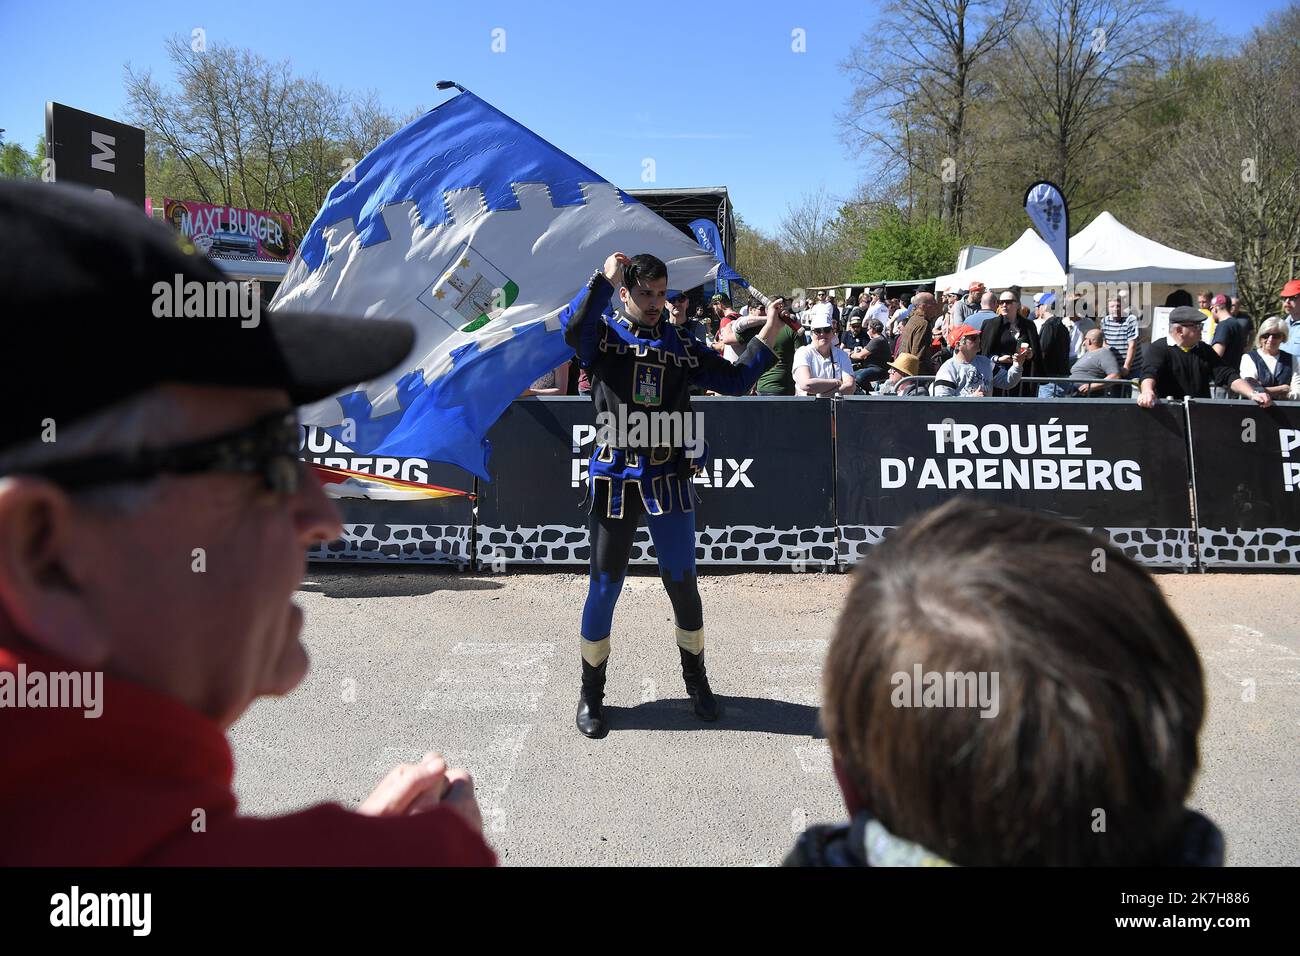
[
  {"x": 1221, "y": 301},
  {"x": 976, "y": 287},
  {"x": 957, "y": 333},
  {"x": 1291, "y": 288}
]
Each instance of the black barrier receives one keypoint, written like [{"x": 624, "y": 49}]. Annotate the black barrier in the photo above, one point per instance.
[
  {"x": 767, "y": 497},
  {"x": 1246, "y": 472},
  {"x": 432, "y": 531},
  {"x": 780, "y": 491},
  {"x": 1103, "y": 464}
]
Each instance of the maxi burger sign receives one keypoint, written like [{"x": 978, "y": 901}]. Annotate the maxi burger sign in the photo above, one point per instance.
[{"x": 229, "y": 232}]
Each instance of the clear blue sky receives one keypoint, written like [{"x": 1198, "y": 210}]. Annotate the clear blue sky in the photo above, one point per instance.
[{"x": 695, "y": 86}]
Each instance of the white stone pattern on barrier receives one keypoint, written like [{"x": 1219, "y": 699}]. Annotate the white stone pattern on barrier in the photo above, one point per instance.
[
  {"x": 423, "y": 543},
  {"x": 733, "y": 545},
  {"x": 1152, "y": 547},
  {"x": 1261, "y": 548}
]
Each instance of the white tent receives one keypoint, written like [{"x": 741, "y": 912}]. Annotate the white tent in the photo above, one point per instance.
[
  {"x": 1105, "y": 251},
  {"x": 1109, "y": 251},
  {"x": 1027, "y": 262}
]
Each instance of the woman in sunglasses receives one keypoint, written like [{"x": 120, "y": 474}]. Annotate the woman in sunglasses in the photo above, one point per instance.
[{"x": 1268, "y": 364}]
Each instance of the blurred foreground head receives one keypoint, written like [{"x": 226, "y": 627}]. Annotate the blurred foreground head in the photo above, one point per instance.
[
  {"x": 1006, "y": 689},
  {"x": 154, "y": 515}
]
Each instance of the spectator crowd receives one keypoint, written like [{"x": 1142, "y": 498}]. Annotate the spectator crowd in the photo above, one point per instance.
[{"x": 980, "y": 342}]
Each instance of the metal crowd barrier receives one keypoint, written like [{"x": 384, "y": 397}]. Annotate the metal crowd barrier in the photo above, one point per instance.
[{"x": 1108, "y": 391}]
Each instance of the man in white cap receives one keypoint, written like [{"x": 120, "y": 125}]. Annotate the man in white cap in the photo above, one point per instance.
[{"x": 822, "y": 368}]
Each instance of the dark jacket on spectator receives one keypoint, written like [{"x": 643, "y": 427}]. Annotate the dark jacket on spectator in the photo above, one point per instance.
[
  {"x": 991, "y": 345},
  {"x": 1189, "y": 374},
  {"x": 1055, "y": 339},
  {"x": 1281, "y": 374},
  {"x": 864, "y": 842},
  {"x": 918, "y": 338}
]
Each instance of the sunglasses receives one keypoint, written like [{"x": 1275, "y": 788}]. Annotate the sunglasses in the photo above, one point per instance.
[
  {"x": 1271, "y": 335},
  {"x": 268, "y": 447}
]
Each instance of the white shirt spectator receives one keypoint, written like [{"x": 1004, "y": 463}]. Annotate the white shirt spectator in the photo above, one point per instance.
[
  {"x": 878, "y": 311},
  {"x": 834, "y": 365},
  {"x": 813, "y": 311},
  {"x": 1248, "y": 369}
]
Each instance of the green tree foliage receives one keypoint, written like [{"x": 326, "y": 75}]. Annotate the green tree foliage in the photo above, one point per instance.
[
  {"x": 898, "y": 249},
  {"x": 18, "y": 163}
]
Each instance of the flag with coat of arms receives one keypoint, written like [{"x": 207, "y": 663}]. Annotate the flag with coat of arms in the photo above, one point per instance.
[{"x": 478, "y": 232}]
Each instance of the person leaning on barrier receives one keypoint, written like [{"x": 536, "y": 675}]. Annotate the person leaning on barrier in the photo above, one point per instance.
[
  {"x": 970, "y": 374},
  {"x": 1096, "y": 362},
  {"x": 154, "y": 523},
  {"x": 1267, "y": 364},
  {"x": 1090, "y": 673},
  {"x": 1188, "y": 367},
  {"x": 822, "y": 368}
]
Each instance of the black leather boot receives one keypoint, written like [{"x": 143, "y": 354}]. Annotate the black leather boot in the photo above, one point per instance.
[
  {"x": 591, "y": 713},
  {"x": 707, "y": 706}
]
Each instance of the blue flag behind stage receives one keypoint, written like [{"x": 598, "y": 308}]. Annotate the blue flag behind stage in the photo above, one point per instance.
[
  {"x": 1051, "y": 217},
  {"x": 478, "y": 232},
  {"x": 706, "y": 234}
]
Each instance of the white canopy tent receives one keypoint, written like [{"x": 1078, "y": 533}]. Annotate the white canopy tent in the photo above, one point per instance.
[
  {"x": 1027, "y": 262},
  {"x": 1105, "y": 251},
  {"x": 1109, "y": 251}
]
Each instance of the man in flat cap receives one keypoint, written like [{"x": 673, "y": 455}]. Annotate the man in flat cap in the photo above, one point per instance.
[
  {"x": 154, "y": 521},
  {"x": 1187, "y": 367}
]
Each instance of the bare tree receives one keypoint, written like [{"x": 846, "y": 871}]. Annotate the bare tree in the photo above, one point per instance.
[
  {"x": 1230, "y": 187},
  {"x": 1074, "y": 72},
  {"x": 918, "y": 72},
  {"x": 239, "y": 130},
  {"x": 810, "y": 240}
]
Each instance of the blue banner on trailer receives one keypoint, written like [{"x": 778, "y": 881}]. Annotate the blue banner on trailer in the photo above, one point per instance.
[
  {"x": 1102, "y": 464},
  {"x": 1246, "y": 469}
]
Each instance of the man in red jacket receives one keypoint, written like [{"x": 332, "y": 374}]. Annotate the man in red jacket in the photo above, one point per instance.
[{"x": 154, "y": 520}]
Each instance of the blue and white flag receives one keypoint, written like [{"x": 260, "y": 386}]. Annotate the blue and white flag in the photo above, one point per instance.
[
  {"x": 478, "y": 232},
  {"x": 706, "y": 234},
  {"x": 1051, "y": 217}
]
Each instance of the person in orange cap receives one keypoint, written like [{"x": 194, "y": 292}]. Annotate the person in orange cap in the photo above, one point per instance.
[
  {"x": 1291, "y": 313},
  {"x": 968, "y": 373}
]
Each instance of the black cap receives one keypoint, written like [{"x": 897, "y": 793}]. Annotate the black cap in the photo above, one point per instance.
[
  {"x": 1186, "y": 315},
  {"x": 78, "y": 278}
]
